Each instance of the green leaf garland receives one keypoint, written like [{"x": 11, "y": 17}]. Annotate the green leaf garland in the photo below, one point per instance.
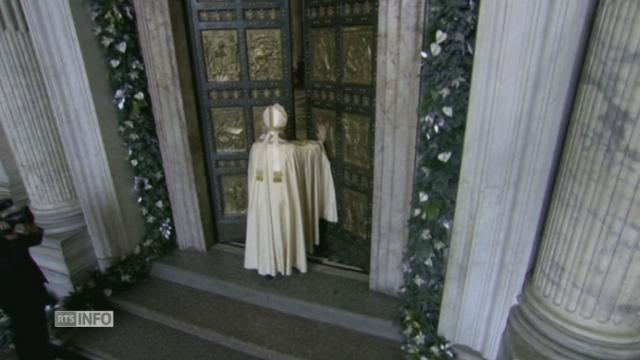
[{"x": 446, "y": 75}]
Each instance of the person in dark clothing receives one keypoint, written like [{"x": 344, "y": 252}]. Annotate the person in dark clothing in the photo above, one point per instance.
[{"x": 23, "y": 296}]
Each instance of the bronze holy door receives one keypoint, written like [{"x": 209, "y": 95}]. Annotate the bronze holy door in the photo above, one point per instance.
[
  {"x": 242, "y": 59},
  {"x": 340, "y": 59},
  {"x": 242, "y": 56}
]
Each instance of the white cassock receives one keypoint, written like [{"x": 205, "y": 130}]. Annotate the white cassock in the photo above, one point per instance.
[{"x": 290, "y": 189}]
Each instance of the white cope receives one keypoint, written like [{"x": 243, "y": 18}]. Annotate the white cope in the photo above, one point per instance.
[{"x": 290, "y": 189}]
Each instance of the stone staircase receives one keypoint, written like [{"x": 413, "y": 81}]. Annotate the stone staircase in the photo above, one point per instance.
[{"x": 206, "y": 306}]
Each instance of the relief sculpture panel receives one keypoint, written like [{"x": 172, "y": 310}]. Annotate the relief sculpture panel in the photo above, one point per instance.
[
  {"x": 323, "y": 44},
  {"x": 264, "y": 47},
  {"x": 327, "y": 118},
  {"x": 356, "y": 213},
  {"x": 222, "y": 62},
  {"x": 258, "y": 124},
  {"x": 357, "y": 141},
  {"x": 229, "y": 129},
  {"x": 234, "y": 188},
  {"x": 358, "y": 48}
]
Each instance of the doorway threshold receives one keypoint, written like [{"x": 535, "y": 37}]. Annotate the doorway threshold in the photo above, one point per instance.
[
  {"x": 324, "y": 294},
  {"x": 314, "y": 263}
]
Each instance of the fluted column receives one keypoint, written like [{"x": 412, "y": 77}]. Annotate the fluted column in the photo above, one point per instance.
[
  {"x": 525, "y": 74},
  {"x": 10, "y": 182},
  {"x": 583, "y": 298},
  {"x": 27, "y": 120},
  {"x": 75, "y": 78}
]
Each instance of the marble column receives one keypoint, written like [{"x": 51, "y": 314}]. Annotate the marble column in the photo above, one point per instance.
[
  {"x": 26, "y": 116},
  {"x": 75, "y": 77},
  {"x": 525, "y": 72},
  {"x": 166, "y": 58},
  {"x": 583, "y": 298},
  {"x": 5, "y": 192},
  {"x": 400, "y": 28}
]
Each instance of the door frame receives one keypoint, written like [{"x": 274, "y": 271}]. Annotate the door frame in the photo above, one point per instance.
[{"x": 399, "y": 39}]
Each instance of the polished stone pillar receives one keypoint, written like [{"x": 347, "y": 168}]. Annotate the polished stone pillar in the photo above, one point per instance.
[
  {"x": 166, "y": 58},
  {"x": 525, "y": 72},
  {"x": 10, "y": 183},
  {"x": 26, "y": 116},
  {"x": 583, "y": 298},
  {"x": 75, "y": 78},
  {"x": 400, "y": 28}
]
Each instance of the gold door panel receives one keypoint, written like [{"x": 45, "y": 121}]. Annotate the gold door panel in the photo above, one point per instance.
[
  {"x": 357, "y": 140},
  {"x": 229, "y": 129},
  {"x": 323, "y": 55},
  {"x": 265, "y": 54},
  {"x": 358, "y": 52},
  {"x": 221, "y": 55}
]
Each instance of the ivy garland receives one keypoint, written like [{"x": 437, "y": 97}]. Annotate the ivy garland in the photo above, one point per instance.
[
  {"x": 446, "y": 76},
  {"x": 115, "y": 29}
]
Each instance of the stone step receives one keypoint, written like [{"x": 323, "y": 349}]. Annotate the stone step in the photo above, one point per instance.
[
  {"x": 323, "y": 295},
  {"x": 254, "y": 330},
  {"x": 136, "y": 338}
]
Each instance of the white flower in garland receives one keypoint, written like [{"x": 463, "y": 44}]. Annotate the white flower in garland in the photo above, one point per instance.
[
  {"x": 448, "y": 110},
  {"x": 434, "y": 349},
  {"x": 435, "y": 49},
  {"x": 423, "y": 54},
  {"x": 136, "y": 64},
  {"x": 418, "y": 280},
  {"x": 457, "y": 81},
  {"x": 122, "y": 47},
  {"x": 128, "y": 12},
  {"x": 429, "y": 262},
  {"x": 426, "y": 234},
  {"x": 139, "y": 95},
  {"x": 151, "y": 219},
  {"x": 134, "y": 137},
  {"x": 134, "y": 162},
  {"x": 441, "y": 36},
  {"x": 423, "y": 196},
  {"x": 107, "y": 292},
  {"x": 416, "y": 212},
  {"x": 444, "y": 156},
  {"x": 159, "y": 204},
  {"x": 419, "y": 339},
  {"x": 407, "y": 331},
  {"x": 129, "y": 124},
  {"x": 106, "y": 41},
  {"x": 444, "y": 92},
  {"x": 439, "y": 245},
  {"x": 114, "y": 63}
]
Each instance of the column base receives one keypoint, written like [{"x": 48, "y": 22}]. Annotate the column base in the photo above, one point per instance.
[
  {"x": 65, "y": 255},
  {"x": 531, "y": 335}
]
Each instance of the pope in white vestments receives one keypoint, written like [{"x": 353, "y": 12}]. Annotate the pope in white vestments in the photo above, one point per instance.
[{"x": 290, "y": 190}]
